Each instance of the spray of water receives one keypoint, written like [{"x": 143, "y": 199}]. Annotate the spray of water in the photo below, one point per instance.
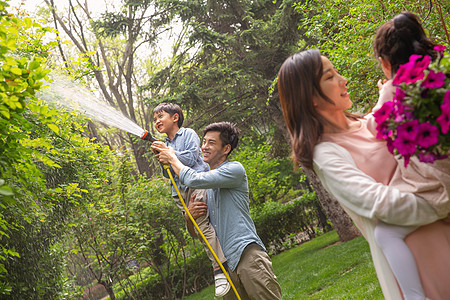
[{"x": 76, "y": 97}]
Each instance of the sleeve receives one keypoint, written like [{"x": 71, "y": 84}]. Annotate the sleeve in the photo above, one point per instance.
[
  {"x": 191, "y": 150},
  {"x": 229, "y": 176},
  {"x": 363, "y": 195}
]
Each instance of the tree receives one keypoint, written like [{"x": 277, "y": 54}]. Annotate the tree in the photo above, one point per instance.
[
  {"x": 240, "y": 46},
  {"x": 111, "y": 47}
]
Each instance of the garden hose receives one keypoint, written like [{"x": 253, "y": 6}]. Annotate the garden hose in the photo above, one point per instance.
[{"x": 167, "y": 168}]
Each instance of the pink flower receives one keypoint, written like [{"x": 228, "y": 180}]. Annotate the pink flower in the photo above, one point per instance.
[
  {"x": 428, "y": 135},
  {"x": 434, "y": 80},
  {"x": 406, "y": 158},
  {"x": 444, "y": 118},
  {"x": 428, "y": 157},
  {"x": 399, "y": 94},
  {"x": 439, "y": 48},
  {"x": 412, "y": 71},
  {"x": 390, "y": 145},
  {"x": 408, "y": 130},
  {"x": 404, "y": 145},
  {"x": 446, "y": 98},
  {"x": 384, "y": 112}
]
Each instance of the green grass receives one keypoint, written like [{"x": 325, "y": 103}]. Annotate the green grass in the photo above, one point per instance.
[{"x": 323, "y": 269}]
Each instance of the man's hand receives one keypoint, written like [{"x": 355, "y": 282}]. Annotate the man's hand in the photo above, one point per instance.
[
  {"x": 196, "y": 209},
  {"x": 159, "y": 144},
  {"x": 164, "y": 154},
  {"x": 167, "y": 156}
]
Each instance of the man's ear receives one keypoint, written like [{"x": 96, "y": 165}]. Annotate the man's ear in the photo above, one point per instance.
[
  {"x": 227, "y": 149},
  {"x": 175, "y": 117}
]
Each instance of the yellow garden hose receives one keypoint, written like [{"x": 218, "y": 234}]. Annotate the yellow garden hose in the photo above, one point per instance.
[{"x": 167, "y": 167}]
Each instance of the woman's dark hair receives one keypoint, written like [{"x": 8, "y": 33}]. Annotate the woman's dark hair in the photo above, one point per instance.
[
  {"x": 298, "y": 82},
  {"x": 171, "y": 109},
  {"x": 229, "y": 133},
  {"x": 399, "y": 38}
]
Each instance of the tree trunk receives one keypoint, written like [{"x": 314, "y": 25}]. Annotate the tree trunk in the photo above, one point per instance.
[
  {"x": 336, "y": 214},
  {"x": 338, "y": 217}
]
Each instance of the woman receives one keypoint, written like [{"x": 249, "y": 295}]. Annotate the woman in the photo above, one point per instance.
[{"x": 314, "y": 100}]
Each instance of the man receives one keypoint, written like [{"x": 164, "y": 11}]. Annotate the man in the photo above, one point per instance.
[{"x": 228, "y": 204}]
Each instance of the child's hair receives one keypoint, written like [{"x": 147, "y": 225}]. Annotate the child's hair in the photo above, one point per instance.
[
  {"x": 229, "y": 133},
  {"x": 298, "y": 82},
  {"x": 171, "y": 109},
  {"x": 399, "y": 38}
]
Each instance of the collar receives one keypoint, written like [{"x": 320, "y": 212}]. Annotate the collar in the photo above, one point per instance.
[{"x": 178, "y": 133}]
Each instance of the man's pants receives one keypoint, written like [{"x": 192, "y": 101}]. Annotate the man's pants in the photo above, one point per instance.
[{"x": 253, "y": 277}]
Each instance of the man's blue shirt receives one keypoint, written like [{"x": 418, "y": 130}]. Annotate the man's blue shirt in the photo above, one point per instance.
[{"x": 228, "y": 204}]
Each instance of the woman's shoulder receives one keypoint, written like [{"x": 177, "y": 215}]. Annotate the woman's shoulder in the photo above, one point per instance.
[{"x": 328, "y": 151}]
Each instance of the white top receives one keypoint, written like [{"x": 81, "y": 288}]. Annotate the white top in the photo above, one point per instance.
[{"x": 366, "y": 200}]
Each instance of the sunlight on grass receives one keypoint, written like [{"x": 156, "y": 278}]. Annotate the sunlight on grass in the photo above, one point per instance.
[{"x": 323, "y": 269}]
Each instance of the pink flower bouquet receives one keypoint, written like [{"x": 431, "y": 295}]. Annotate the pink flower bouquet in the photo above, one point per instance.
[{"x": 417, "y": 121}]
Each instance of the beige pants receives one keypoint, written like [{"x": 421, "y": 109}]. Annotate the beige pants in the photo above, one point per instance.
[
  {"x": 204, "y": 225},
  {"x": 253, "y": 277}
]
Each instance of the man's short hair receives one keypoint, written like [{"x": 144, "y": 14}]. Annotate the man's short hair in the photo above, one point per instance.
[
  {"x": 171, "y": 109},
  {"x": 229, "y": 133}
]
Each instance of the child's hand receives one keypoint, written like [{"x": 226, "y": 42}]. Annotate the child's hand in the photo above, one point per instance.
[{"x": 380, "y": 83}]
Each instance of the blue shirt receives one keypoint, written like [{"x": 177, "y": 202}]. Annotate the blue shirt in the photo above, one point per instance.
[
  {"x": 228, "y": 204},
  {"x": 187, "y": 149}
]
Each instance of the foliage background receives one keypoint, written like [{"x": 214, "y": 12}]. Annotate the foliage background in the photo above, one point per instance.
[{"x": 83, "y": 207}]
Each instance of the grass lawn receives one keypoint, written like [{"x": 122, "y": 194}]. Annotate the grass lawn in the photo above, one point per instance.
[{"x": 323, "y": 269}]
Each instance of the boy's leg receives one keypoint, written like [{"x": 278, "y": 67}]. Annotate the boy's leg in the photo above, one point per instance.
[
  {"x": 255, "y": 275},
  {"x": 220, "y": 281},
  {"x": 208, "y": 230},
  {"x": 390, "y": 238}
]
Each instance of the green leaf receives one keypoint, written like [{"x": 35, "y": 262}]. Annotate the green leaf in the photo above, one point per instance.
[
  {"x": 6, "y": 191},
  {"x": 16, "y": 71},
  {"x": 53, "y": 127}
]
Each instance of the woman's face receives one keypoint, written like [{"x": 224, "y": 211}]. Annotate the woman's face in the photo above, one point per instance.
[{"x": 333, "y": 85}]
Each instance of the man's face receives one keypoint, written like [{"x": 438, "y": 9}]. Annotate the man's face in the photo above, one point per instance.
[{"x": 214, "y": 152}]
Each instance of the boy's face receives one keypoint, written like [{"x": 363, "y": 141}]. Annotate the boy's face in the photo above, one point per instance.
[{"x": 164, "y": 122}]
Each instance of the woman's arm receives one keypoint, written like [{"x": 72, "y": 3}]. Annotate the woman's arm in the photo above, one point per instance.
[{"x": 363, "y": 195}]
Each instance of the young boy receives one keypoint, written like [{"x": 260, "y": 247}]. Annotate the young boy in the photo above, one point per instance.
[{"x": 168, "y": 118}]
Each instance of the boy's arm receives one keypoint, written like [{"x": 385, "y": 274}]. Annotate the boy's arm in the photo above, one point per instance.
[{"x": 191, "y": 150}]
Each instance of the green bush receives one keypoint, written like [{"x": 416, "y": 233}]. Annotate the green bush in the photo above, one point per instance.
[
  {"x": 276, "y": 221},
  {"x": 149, "y": 285}
]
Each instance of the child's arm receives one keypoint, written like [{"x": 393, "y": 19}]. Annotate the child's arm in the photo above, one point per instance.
[
  {"x": 386, "y": 92},
  {"x": 189, "y": 154}
]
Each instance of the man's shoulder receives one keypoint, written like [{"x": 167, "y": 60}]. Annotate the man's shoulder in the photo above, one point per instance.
[{"x": 234, "y": 166}]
